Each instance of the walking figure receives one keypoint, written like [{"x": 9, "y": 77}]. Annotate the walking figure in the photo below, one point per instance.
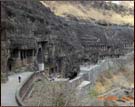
[{"x": 19, "y": 78}]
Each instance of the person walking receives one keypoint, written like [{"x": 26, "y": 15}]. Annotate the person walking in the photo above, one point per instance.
[{"x": 19, "y": 79}]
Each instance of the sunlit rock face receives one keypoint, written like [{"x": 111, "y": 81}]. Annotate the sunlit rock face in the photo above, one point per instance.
[{"x": 113, "y": 12}]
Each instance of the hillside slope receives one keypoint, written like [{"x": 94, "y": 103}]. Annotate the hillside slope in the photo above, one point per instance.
[{"x": 93, "y": 11}]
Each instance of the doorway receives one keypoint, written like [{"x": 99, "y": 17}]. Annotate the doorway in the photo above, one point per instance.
[{"x": 10, "y": 64}]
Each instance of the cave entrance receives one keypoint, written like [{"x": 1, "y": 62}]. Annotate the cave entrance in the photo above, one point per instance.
[
  {"x": 10, "y": 64},
  {"x": 72, "y": 75},
  {"x": 40, "y": 59},
  {"x": 51, "y": 71}
]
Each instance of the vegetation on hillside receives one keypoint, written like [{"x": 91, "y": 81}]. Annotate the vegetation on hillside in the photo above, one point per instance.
[{"x": 112, "y": 15}]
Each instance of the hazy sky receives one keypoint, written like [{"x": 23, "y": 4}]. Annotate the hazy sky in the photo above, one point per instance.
[
  {"x": 116, "y": 2},
  {"x": 126, "y": 3}
]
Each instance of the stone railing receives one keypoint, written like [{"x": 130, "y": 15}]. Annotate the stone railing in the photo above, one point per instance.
[{"x": 25, "y": 88}]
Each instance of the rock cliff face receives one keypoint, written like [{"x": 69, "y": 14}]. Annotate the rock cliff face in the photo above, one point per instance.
[
  {"x": 28, "y": 24},
  {"x": 33, "y": 30},
  {"x": 4, "y": 55},
  {"x": 103, "y": 41}
]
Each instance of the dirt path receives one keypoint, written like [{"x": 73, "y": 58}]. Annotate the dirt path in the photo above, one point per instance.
[{"x": 9, "y": 88}]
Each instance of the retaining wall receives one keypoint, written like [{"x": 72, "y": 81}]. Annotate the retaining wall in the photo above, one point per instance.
[{"x": 24, "y": 89}]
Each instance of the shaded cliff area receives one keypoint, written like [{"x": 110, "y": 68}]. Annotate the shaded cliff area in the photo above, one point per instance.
[{"x": 25, "y": 24}]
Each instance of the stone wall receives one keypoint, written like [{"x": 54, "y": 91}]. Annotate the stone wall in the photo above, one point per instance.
[
  {"x": 24, "y": 89},
  {"x": 4, "y": 55}
]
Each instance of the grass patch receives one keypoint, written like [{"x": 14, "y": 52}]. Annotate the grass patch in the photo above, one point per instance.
[
  {"x": 81, "y": 12},
  {"x": 47, "y": 93},
  {"x": 93, "y": 92}
]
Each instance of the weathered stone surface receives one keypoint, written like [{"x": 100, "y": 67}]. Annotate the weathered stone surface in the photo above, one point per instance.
[
  {"x": 29, "y": 25},
  {"x": 4, "y": 57}
]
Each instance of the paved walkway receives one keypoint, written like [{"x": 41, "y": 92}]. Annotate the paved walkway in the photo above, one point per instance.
[{"x": 9, "y": 88}]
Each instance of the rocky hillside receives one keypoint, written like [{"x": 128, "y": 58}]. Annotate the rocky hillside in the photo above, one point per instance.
[
  {"x": 25, "y": 20},
  {"x": 118, "y": 83},
  {"x": 113, "y": 81},
  {"x": 94, "y": 11},
  {"x": 76, "y": 40}
]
